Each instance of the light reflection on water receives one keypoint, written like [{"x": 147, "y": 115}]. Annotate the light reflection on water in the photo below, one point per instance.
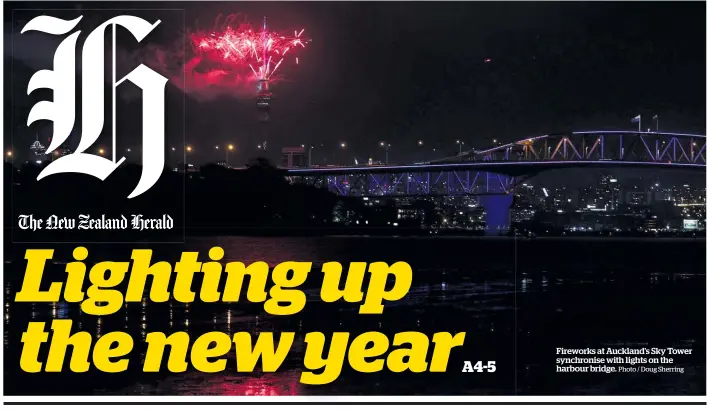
[
  {"x": 194, "y": 384},
  {"x": 582, "y": 307}
]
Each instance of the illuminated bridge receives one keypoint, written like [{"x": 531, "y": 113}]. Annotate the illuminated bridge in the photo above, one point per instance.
[
  {"x": 493, "y": 173},
  {"x": 499, "y": 169}
]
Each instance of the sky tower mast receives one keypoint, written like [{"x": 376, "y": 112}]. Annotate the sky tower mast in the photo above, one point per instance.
[{"x": 264, "y": 95}]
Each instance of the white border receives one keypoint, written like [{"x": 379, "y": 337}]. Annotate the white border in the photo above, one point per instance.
[
  {"x": 351, "y": 399},
  {"x": 159, "y": 401}
]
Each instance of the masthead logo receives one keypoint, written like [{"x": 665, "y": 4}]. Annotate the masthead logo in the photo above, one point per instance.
[{"x": 61, "y": 111}]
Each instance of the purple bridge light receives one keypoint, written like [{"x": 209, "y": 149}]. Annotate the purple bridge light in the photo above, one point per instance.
[
  {"x": 499, "y": 169},
  {"x": 494, "y": 173}
]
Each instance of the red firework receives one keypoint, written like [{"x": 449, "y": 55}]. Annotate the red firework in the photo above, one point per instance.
[{"x": 239, "y": 50}]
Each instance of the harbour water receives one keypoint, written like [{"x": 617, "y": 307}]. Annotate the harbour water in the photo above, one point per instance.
[{"x": 517, "y": 301}]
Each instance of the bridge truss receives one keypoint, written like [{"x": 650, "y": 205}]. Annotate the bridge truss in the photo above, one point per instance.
[
  {"x": 442, "y": 183},
  {"x": 499, "y": 169},
  {"x": 629, "y": 146}
]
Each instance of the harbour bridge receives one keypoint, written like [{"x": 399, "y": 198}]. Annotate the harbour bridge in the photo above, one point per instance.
[
  {"x": 494, "y": 173},
  {"x": 499, "y": 169}
]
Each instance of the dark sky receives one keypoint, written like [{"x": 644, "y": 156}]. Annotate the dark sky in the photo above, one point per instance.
[{"x": 403, "y": 72}]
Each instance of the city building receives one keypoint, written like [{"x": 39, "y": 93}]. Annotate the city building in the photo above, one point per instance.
[
  {"x": 609, "y": 193},
  {"x": 63, "y": 150},
  {"x": 521, "y": 213},
  {"x": 561, "y": 198},
  {"x": 37, "y": 151},
  {"x": 293, "y": 157},
  {"x": 588, "y": 198},
  {"x": 637, "y": 197}
]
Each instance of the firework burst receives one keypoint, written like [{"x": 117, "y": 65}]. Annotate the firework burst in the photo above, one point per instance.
[
  {"x": 229, "y": 59},
  {"x": 238, "y": 48}
]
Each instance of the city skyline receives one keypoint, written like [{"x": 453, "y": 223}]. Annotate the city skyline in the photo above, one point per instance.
[{"x": 453, "y": 72}]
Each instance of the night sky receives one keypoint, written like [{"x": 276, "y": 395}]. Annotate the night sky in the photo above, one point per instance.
[{"x": 403, "y": 72}]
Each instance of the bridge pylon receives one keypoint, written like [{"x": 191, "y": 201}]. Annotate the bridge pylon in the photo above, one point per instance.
[{"x": 497, "y": 209}]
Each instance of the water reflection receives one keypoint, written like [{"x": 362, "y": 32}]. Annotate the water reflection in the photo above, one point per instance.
[
  {"x": 551, "y": 308},
  {"x": 191, "y": 384}
]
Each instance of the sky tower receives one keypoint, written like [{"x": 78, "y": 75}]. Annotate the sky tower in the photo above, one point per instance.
[
  {"x": 262, "y": 100},
  {"x": 264, "y": 95}
]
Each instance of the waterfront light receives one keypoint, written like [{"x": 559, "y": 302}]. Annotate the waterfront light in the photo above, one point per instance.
[{"x": 229, "y": 148}]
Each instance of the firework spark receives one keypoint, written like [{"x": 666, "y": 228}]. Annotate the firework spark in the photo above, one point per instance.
[
  {"x": 229, "y": 59},
  {"x": 236, "y": 48}
]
